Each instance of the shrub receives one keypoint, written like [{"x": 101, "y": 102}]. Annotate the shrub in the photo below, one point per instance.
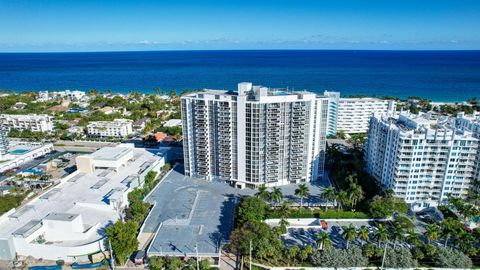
[
  {"x": 446, "y": 257},
  {"x": 399, "y": 258},
  {"x": 332, "y": 257}
]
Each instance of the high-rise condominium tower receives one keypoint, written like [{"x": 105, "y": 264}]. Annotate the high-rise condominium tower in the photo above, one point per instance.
[
  {"x": 254, "y": 136},
  {"x": 421, "y": 158}
]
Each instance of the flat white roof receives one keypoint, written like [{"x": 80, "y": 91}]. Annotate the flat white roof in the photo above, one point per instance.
[
  {"x": 73, "y": 198},
  {"x": 111, "y": 153}
]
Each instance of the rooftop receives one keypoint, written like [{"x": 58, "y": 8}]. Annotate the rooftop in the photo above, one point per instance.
[
  {"x": 76, "y": 196},
  {"x": 111, "y": 153}
]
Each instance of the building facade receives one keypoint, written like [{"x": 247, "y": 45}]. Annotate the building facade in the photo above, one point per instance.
[
  {"x": 353, "y": 114},
  {"x": 68, "y": 94},
  {"x": 117, "y": 128},
  {"x": 3, "y": 142},
  {"x": 422, "y": 159},
  {"x": 32, "y": 122},
  {"x": 254, "y": 136},
  {"x": 471, "y": 123}
]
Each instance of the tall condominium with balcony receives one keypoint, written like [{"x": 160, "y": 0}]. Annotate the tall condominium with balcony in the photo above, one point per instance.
[
  {"x": 472, "y": 124},
  {"x": 32, "y": 122},
  {"x": 254, "y": 136},
  {"x": 352, "y": 115},
  {"x": 119, "y": 128},
  {"x": 423, "y": 160}
]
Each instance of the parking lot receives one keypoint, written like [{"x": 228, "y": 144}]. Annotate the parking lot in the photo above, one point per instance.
[
  {"x": 190, "y": 216},
  {"x": 302, "y": 236}
]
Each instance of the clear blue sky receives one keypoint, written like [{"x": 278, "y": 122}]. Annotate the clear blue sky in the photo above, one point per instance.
[{"x": 81, "y": 25}]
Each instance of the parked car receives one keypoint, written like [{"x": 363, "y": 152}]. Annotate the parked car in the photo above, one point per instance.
[{"x": 324, "y": 224}]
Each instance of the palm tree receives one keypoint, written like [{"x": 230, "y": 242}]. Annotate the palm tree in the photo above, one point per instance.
[
  {"x": 381, "y": 234},
  {"x": 342, "y": 199},
  {"x": 302, "y": 192},
  {"x": 397, "y": 234},
  {"x": 349, "y": 233},
  {"x": 363, "y": 233},
  {"x": 276, "y": 195},
  {"x": 413, "y": 238},
  {"x": 432, "y": 233},
  {"x": 323, "y": 240},
  {"x": 328, "y": 195},
  {"x": 449, "y": 227},
  {"x": 262, "y": 192},
  {"x": 284, "y": 211},
  {"x": 356, "y": 194}
]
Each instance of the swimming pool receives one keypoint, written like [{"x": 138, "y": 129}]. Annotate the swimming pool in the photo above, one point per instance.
[{"x": 19, "y": 151}]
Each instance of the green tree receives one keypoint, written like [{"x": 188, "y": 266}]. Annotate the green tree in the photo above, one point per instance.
[
  {"x": 123, "y": 238},
  {"x": 397, "y": 234},
  {"x": 276, "y": 195},
  {"x": 449, "y": 228},
  {"x": 149, "y": 180},
  {"x": 413, "y": 238},
  {"x": 262, "y": 192},
  {"x": 363, "y": 233},
  {"x": 342, "y": 199},
  {"x": 173, "y": 263},
  {"x": 323, "y": 240},
  {"x": 302, "y": 192},
  {"x": 156, "y": 263},
  {"x": 291, "y": 253},
  {"x": 349, "y": 233},
  {"x": 251, "y": 209},
  {"x": 329, "y": 195},
  {"x": 381, "y": 234},
  {"x": 432, "y": 232}
]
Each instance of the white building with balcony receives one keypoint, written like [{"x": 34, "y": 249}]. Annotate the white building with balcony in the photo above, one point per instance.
[
  {"x": 353, "y": 114},
  {"x": 422, "y": 159},
  {"x": 254, "y": 136},
  {"x": 472, "y": 124},
  {"x": 119, "y": 128},
  {"x": 32, "y": 122}
]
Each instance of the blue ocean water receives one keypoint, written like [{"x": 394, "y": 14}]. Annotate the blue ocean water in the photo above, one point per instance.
[{"x": 437, "y": 75}]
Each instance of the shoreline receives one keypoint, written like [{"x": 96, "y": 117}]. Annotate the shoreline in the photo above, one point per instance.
[{"x": 452, "y": 102}]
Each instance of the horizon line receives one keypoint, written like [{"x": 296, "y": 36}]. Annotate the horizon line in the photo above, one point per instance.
[{"x": 212, "y": 50}]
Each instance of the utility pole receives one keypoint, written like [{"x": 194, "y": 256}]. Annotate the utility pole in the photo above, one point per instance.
[
  {"x": 250, "y": 255},
  {"x": 384, "y": 255},
  {"x": 196, "y": 251},
  {"x": 112, "y": 262}
]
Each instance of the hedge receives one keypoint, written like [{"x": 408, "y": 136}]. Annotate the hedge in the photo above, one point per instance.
[{"x": 317, "y": 213}]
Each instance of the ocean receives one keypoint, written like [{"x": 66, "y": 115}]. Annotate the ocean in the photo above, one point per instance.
[{"x": 436, "y": 75}]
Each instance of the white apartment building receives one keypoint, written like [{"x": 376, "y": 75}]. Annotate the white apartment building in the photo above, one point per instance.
[
  {"x": 472, "y": 124},
  {"x": 254, "y": 136},
  {"x": 68, "y": 221},
  {"x": 69, "y": 94},
  {"x": 353, "y": 114},
  {"x": 3, "y": 142},
  {"x": 117, "y": 128},
  {"x": 422, "y": 159},
  {"x": 32, "y": 122}
]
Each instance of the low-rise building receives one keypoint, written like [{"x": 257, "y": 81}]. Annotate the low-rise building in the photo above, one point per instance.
[
  {"x": 32, "y": 122},
  {"x": 3, "y": 142},
  {"x": 68, "y": 94},
  {"x": 68, "y": 221},
  {"x": 173, "y": 123},
  {"x": 117, "y": 128},
  {"x": 422, "y": 159},
  {"x": 19, "y": 153}
]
